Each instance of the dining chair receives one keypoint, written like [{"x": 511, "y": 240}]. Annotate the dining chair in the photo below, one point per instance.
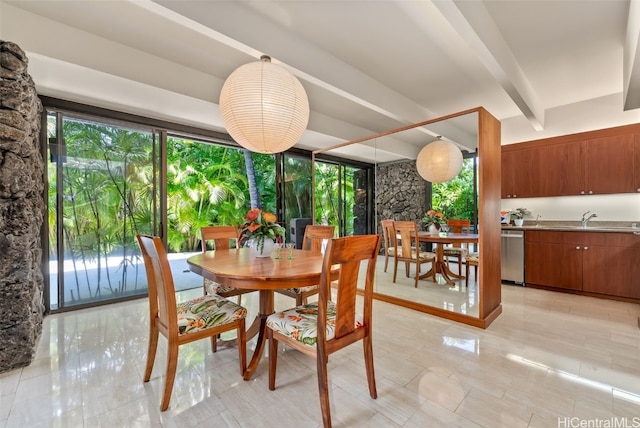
[
  {"x": 408, "y": 250},
  {"x": 180, "y": 323},
  {"x": 472, "y": 260},
  {"x": 314, "y": 238},
  {"x": 457, "y": 250},
  {"x": 222, "y": 238},
  {"x": 324, "y": 327},
  {"x": 389, "y": 241}
]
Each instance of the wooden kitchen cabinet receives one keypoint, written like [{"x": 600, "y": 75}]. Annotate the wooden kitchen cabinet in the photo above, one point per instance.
[
  {"x": 591, "y": 262},
  {"x": 609, "y": 164},
  {"x": 610, "y": 264},
  {"x": 598, "y": 162},
  {"x": 516, "y": 175},
  {"x": 553, "y": 260},
  {"x": 552, "y": 170}
]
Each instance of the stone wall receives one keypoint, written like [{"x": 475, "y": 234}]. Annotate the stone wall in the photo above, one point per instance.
[
  {"x": 22, "y": 211},
  {"x": 401, "y": 192}
]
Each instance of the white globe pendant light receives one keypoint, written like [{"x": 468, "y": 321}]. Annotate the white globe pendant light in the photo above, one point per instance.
[
  {"x": 439, "y": 161},
  {"x": 264, "y": 107}
]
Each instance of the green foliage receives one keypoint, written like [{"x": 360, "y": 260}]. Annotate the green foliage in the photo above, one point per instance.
[
  {"x": 455, "y": 197},
  {"x": 110, "y": 177},
  {"x": 335, "y": 195},
  {"x": 102, "y": 201},
  {"x": 207, "y": 185}
]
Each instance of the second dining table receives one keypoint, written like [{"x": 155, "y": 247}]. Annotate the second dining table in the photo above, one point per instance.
[
  {"x": 241, "y": 269},
  {"x": 440, "y": 265}
]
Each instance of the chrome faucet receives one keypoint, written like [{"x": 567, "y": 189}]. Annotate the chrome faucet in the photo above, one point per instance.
[{"x": 586, "y": 219}]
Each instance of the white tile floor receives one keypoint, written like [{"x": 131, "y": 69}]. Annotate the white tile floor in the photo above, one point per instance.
[{"x": 548, "y": 358}]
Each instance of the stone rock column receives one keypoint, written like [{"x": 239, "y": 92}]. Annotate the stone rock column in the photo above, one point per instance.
[
  {"x": 22, "y": 211},
  {"x": 401, "y": 192}
]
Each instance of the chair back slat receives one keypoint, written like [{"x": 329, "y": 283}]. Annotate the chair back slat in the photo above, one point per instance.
[
  {"x": 387, "y": 232},
  {"x": 315, "y": 235},
  {"x": 404, "y": 249},
  {"x": 347, "y": 253},
  {"x": 457, "y": 225},
  {"x": 222, "y": 237},
  {"x": 162, "y": 298}
]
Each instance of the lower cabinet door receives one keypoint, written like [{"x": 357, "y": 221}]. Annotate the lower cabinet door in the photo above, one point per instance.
[
  {"x": 607, "y": 270},
  {"x": 554, "y": 265}
]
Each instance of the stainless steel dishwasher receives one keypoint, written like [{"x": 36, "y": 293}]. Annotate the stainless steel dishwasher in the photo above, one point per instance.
[{"x": 512, "y": 256}]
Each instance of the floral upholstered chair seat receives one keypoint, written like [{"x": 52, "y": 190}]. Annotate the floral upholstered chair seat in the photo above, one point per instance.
[
  {"x": 212, "y": 288},
  {"x": 301, "y": 322},
  {"x": 472, "y": 260},
  {"x": 205, "y": 312},
  {"x": 454, "y": 251},
  {"x": 302, "y": 289},
  {"x": 422, "y": 256}
]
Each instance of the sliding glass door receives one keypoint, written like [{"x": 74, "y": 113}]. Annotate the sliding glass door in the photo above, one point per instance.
[
  {"x": 111, "y": 177},
  {"x": 103, "y": 190},
  {"x": 343, "y": 198}
]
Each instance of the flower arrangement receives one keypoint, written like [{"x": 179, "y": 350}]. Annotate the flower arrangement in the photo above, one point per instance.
[
  {"x": 505, "y": 217},
  {"x": 259, "y": 225},
  {"x": 519, "y": 213},
  {"x": 433, "y": 217}
]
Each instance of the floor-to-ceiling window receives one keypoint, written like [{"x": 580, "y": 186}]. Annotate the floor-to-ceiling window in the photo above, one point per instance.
[
  {"x": 343, "y": 197},
  {"x": 103, "y": 190},
  {"x": 211, "y": 184},
  {"x": 113, "y": 175},
  {"x": 296, "y": 191},
  {"x": 458, "y": 197}
]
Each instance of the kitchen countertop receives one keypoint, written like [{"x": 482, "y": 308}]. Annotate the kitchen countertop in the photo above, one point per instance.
[{"x": 574, "y": 226}]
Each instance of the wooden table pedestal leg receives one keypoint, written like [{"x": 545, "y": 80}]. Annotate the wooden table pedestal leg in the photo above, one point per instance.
[{"x": 266, "y": 309}]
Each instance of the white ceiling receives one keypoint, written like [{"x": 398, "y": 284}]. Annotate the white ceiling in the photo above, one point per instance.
[{"x": 543, "y": 68}]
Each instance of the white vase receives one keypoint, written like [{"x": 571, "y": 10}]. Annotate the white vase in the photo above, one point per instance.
[
  {"x": 433, "y": 228},
  {"x": 518, "y": 221},
  {"x": 262, "y": 248}
]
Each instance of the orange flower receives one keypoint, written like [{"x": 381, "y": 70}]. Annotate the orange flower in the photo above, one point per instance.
[
  {"x": 260, "y": 225},
  {"x": 295, "y": 318},
  {"x": 253, "y": 214},
  {"x": 269, "y": 217}
]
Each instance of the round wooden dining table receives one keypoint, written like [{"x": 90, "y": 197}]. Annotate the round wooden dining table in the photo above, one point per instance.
[
  {"x": 240, "y": 268},
  {"x": 440, "y": 264}
]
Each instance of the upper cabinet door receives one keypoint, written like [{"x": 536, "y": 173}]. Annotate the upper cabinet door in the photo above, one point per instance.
[
  {"x": 590, "y": 163},
  {"x": 609, "y": 165},
  {"x": 558, "y": 169},
  {"x": 514, "y": 181},
  {"x": 553, "y": 170}
]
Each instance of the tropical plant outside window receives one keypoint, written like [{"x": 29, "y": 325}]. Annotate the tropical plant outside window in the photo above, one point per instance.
[
  {"x": 100, "y": 195},
  {"x": 335, "y": 202},
  {"x": 208, "y": 185},
  {"x": 456, "y": 198},
  {"x": 105, "y": 186},
  {"x": 104, "y": 189}
]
